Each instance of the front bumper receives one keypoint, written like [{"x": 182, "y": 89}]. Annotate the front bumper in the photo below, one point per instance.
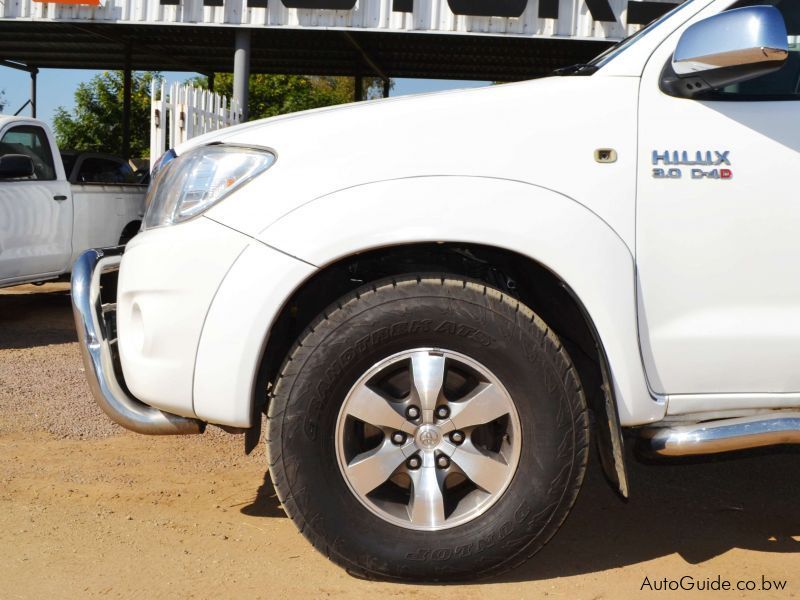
[{"x": 96, "y": 325}]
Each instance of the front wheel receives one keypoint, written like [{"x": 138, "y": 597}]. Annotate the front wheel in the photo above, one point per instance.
[{"x": 428, "y": 429}]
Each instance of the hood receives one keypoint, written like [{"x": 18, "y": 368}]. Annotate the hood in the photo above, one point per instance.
[
  {"x": 236, "y": 133},
  {"x": 542, "y": 132},
  {"x": 456, "y": 132}
]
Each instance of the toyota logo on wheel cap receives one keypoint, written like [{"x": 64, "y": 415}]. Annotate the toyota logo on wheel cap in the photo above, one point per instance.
[{"x": 428, "y": 437}]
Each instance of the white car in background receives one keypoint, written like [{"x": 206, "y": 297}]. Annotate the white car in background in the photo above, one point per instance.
[
  {"x": 429, "y": 296},
  {"x": 50, "y": 215}
]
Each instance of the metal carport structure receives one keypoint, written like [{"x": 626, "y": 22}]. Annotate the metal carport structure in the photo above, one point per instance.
[{"x": 501, "y": 40}]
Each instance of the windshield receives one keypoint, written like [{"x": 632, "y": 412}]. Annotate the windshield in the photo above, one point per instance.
[{"x": 629, "y": 41}]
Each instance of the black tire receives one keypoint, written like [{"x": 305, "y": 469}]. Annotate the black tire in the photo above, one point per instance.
[{"x": 466, "y": 317}]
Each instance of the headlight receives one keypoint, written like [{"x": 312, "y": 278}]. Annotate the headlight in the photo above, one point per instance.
[
  {"x": 162, "y": 162},
  {"x": 193, "y": 182}
]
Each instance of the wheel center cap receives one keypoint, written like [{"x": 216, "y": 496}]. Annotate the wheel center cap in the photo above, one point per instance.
[{"x": 428, "y": 437}]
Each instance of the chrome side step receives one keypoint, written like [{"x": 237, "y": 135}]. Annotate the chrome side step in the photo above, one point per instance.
[{"x": 726, "y": 435}]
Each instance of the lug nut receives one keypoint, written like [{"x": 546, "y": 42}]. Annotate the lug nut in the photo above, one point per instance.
[
  {"x": 412, "y": 412},
  {"x": 442, "y": 462},
  {"x": 398, "y": 437},
  {"x": 414, "y": 463},
  {"x": 457, "y": 437},
  {"x": 442, "y": 412}
]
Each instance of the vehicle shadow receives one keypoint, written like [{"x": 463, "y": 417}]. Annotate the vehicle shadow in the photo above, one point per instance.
[
  {"x": 266, "y": 503},
  {"x": 698, "y": 508},
  {"x": 36, "y": 316}
]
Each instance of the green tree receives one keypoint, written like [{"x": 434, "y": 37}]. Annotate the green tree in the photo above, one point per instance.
[
  {"x": 272, "y": 95},
  {"x": 95, "y": 124},
  {"x": 2, "y": 100}
]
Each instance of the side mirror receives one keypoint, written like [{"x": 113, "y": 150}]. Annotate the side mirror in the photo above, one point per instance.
[
  {"x": 15, "y": 166},
  {"x": 728, "y": 48}
]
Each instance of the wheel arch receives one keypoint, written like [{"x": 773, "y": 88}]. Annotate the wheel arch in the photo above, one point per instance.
[
  {"x": 551, "y": 229},
  {"x": 514, "y": 274},
  {"x": 547, "y": 231}
]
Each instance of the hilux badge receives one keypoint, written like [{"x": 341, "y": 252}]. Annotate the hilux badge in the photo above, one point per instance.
[{"x": 672, "y": 160}]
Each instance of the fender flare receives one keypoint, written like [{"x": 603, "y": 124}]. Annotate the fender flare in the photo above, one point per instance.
[
  {"x": 558, "y": 233},
  {"x": 554, "y": 230}
]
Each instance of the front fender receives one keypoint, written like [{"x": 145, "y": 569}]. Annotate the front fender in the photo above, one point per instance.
[{"x": 550, "y": 228}]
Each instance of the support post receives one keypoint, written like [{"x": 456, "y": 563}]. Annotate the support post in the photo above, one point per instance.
[
  {"x": 127, "y": 90},
  {"x": 210, "y": 78},
  {"x": 358, "y": 94},
  {"x": 11, "y": 64},
  {"x": 241, "y": 70},
  {"x": 34, "y": 73},
  {"x": 387, "y": 85}
]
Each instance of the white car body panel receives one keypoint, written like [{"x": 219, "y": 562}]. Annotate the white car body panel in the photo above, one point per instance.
[
  {"x": 35, "y": 229},
  {"x": 690, "y": 404},
  {"x": 41, "y": 237},
  {"x": 717, "y": 259},
  {"x": 540, "y": 151},
  {"x": 165, "y": 288},
  {"x": 692, "y": 317},
  {"x": 101, "y": 213},
  {"x": 236, "y": 331}
]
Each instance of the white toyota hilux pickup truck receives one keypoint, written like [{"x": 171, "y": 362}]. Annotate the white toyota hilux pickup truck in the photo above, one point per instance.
[
  {"x": 49, "y": 217},
  {"x": 437, "y": 320}
]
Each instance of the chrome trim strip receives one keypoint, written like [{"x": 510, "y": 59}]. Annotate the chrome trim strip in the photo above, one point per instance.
[
  {"x": 109, "y": 392},
  {"x": 725, "y": 435}
]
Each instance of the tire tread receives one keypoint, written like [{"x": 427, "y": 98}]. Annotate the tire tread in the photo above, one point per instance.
[{"x": 494, "y": 300}]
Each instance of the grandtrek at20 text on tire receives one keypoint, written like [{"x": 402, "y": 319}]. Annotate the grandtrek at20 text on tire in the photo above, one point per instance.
[{"x": 428, "y": 428}]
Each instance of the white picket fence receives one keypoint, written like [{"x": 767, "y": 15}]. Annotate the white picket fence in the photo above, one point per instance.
[{"x": 186, "y": 112}]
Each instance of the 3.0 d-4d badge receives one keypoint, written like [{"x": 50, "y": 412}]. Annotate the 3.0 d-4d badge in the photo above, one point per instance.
[{"x": 675, "y": 158}]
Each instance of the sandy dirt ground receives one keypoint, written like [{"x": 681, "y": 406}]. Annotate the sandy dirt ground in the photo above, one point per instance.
[{"x": 90, "y": 511}]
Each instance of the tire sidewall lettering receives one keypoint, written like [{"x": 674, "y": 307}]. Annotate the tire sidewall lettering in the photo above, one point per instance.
[{"x": 482, "y": 544}]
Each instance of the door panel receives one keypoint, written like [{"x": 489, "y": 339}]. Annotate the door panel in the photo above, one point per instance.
[{"x": 719, "y": 258}]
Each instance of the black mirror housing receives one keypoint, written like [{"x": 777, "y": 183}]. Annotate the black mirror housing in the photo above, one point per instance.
[
  {"x": 699, "y": 85},
  {"x": 16, "y": 166}
]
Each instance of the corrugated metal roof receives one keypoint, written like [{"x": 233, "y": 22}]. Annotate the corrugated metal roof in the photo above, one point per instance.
[
  {"x": 600, "y": 19},
  {"x": 310, "y": 52},
  {"x": 432, "y": 41}
]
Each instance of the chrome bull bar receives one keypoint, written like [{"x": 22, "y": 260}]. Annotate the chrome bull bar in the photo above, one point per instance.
[{"x": 94, "y": 335}]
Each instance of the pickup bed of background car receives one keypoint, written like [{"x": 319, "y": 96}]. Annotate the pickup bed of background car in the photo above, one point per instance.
[{"x": 47, "y": 220}]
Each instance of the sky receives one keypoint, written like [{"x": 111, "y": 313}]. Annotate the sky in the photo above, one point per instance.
[{"x": 56, "y": 87}]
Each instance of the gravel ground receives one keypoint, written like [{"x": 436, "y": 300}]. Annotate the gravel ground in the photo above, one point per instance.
[
  {"x": 88, "y": 510},
  {"x": 42, "y": 384}
]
